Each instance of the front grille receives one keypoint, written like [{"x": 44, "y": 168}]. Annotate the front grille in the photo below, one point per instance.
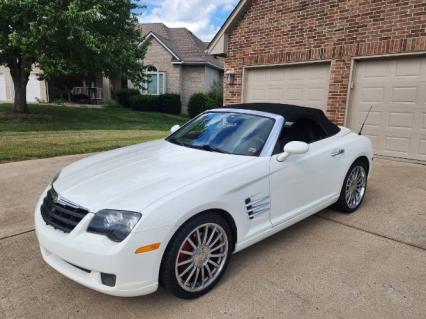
[{"x": 60, "y": 216}]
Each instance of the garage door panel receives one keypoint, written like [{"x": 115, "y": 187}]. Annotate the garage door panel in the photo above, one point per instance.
[
  {"x": 373, "y": 94},
  {"x": 397, "y": 144},
  {"x": 422, "y": 147},
  {"x": 406, "y": 94},
  {"x": 375, "y": 71},
  {"x": 374, "y": 119},
  {"x": 401, "y": 120},
  {"x": 396, "y": 90},
  {"x": 408, "y": 68},
  {"x": 302, "y": 85}
]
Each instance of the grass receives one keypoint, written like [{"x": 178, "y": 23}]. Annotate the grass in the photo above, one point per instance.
[{"x": 52, "y": 130}]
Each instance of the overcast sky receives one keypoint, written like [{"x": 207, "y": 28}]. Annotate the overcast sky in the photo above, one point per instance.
[{"x": 202, "y": 17}]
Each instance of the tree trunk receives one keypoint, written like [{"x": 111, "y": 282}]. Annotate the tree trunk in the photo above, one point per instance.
[{"x": 20, "y": 80}]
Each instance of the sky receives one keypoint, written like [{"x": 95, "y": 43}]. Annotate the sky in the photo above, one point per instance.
[{"x": 202, "y": 17}]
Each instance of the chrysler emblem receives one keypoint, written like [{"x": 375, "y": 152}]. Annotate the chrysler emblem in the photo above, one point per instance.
[{"x": 55, "y": 196}]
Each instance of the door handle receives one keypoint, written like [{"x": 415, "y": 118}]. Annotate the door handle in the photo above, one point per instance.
[{"x": 338, "y": 152}]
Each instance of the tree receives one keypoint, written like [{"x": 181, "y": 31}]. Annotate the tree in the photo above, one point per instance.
[{"x": 68, "y": 37}]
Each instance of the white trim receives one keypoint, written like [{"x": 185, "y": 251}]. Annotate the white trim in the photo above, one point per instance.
[
  {"x": 349, "y": 91},
  {"x": 286, "y": 64},
  {"x": 151, "y": 34},
  {"x": 157, "y": 73}
]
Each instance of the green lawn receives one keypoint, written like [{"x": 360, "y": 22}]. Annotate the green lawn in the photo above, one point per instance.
[{"x": 53, "y": 130}]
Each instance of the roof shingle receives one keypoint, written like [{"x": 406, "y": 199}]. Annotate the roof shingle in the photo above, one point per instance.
[{"x": 183, "y": 43}]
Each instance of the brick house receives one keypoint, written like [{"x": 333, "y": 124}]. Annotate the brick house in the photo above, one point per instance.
[
  {"x": 177, "y": 60},
  {"x": 178, "y": 63},
  {"x": 338, "y": 55}
]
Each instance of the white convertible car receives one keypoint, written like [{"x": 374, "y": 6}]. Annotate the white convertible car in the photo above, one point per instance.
[{"x": 173, "y": 211}]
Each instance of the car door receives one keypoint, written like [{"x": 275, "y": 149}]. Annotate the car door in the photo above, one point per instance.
[{"x": 303, "y": 184}]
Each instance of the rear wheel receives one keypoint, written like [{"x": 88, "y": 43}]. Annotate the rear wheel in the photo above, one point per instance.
[
  {"x": 197, "y": 256},
  {"x": 354, "y": 187}
]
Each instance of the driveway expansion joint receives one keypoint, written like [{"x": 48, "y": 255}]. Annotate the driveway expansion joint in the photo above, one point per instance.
[{"x": 371, "y": 233}]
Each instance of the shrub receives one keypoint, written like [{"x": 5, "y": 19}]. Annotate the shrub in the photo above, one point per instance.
[
  {"x": 215, "y": 98},
  {"x": 169, "y": 103},
  {"x": 145, "y": 103},
  {"x": 198, "y": 103},
  {"x": 124, "y": 95}
]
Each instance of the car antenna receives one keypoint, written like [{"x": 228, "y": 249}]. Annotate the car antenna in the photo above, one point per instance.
[{"x": 362, "y": 127}]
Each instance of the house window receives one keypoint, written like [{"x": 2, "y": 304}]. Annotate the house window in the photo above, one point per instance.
[{"x": 156, "y": 81}]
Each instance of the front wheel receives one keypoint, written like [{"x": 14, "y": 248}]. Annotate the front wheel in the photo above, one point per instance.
[
  {"x": 197, "y": 256},
  {"x": 354, "y": 187}
]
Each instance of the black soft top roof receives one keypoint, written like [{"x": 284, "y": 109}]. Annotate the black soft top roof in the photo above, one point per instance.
[{"x": 291, "y": 113}]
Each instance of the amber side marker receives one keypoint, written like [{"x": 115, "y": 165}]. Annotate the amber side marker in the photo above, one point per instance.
[{"x": 145, "y": 249}]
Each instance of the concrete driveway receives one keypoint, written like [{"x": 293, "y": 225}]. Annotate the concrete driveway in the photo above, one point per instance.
[{"x": 371, "y": 264}]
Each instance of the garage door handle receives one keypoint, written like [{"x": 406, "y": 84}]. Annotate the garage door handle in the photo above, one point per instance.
[{"x": 338, "y": 152}]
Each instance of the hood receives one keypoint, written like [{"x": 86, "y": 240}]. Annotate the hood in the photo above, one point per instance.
[{"x": 131, "y": 178}]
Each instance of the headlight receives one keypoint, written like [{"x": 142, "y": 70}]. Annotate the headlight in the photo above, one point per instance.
[
  {"x": 56, "y": 176},
  {"x": 115, "y": 224}
]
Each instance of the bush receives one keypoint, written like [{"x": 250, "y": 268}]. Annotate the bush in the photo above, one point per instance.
[
  {"x": 198, "y": 103},
  {"x": 123, "y": 96},
  {"x": 145, "y": 103},
  {"x": 169, "y": 103},
  {"x": 215, "y": 98}
]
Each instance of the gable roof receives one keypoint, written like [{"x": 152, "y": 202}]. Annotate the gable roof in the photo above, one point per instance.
[
  {"x": 219, "y": 44},
  {"x": 182, "y": 44}
]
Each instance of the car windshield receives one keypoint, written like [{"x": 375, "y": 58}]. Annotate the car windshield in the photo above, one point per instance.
[{"x": 226, "y": 132}]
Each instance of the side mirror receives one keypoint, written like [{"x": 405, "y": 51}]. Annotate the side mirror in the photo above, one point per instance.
[
  {"x": 175, "y": 128},
  {"x": 293, "y": 148}
]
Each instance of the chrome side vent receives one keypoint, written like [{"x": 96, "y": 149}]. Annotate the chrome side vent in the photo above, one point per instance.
[{"x": 257, "y": 205}]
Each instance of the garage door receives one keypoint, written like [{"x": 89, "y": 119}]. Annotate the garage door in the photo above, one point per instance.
[
  {"x": 33, "y": 89},
  {"x": 305, "y": 85},
  {"x": 2, "y": 87},
  {"x": 397, "y": 90}
]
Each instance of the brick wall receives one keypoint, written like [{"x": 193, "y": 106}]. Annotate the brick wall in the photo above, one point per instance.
[
  {"x": 192, "y": 82},
  {"x": 285, "y": 31},
  {"x": 161, "y": 59}
]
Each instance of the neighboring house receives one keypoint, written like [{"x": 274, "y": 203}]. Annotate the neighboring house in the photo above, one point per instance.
[
  {"x": 36, "y": 90},
  {"x": 178, "y": 63},
  {"x": 341, "y": 56}
]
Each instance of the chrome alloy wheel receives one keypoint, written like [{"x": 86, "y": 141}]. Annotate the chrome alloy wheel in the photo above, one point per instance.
[
  {"x": 201, "y": 257},
  {"x": 355, "y": 186}
]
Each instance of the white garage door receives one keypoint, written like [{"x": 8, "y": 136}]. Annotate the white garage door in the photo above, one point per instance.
[
  {"x": 33, "y": 89},
  {"x": 397, "y": 90},
  {"x": 2, "y": 87},
  {"x": 305, "y": 85}
]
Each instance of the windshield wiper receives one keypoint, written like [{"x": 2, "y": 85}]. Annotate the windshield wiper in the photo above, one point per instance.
[
  {"x": 209, "y": 148},
  {"x": 205, "y": 147}
]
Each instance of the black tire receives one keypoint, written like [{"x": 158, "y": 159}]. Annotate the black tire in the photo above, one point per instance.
[
  {"x": 342, "y": 204},
  {"x": 169, "y": 268}
]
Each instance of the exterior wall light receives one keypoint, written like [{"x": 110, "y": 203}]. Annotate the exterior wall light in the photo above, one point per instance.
[{"x": 230, "y": 76}]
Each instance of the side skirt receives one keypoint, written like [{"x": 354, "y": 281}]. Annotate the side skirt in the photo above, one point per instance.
[{"x": 289, "y": 222}]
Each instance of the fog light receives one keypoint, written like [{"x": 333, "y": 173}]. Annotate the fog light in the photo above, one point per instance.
[{"x": 108, "y": 279}]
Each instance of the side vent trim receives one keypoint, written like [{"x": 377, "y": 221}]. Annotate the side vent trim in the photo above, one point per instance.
[{"x": 257, "y": 205}]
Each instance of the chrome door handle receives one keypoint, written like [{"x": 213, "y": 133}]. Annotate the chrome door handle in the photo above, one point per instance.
[{"x": 338, "y": 152}]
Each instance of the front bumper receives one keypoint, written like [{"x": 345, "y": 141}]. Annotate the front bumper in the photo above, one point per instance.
[{"x": 83, "y": 256}]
